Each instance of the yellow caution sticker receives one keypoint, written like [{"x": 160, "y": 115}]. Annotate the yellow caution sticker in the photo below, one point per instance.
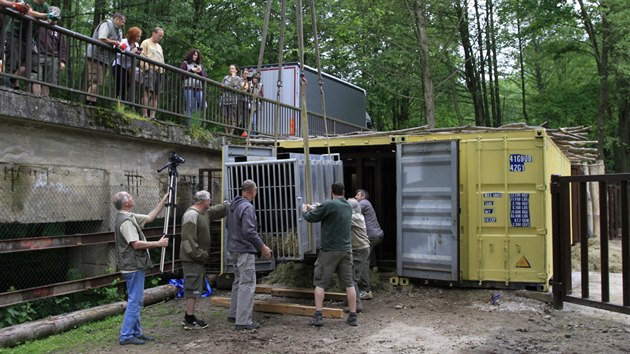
[{"x": 523, "y": 263}]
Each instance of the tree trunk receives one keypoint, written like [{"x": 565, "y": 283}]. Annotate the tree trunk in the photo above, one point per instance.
[
  {"x": 521, "y": 63},
  {"x": 481, "y": 73},
  {"x": 493, "y": 58},
  {"x": 427, "y": 81},
  {"x": 623, "y": 150},
  {"x": 472, "y": 84},
  {"x": 21, "y": 333},
  {"x": 99, "y": 13},
  {"x": 601, "y": 59},
  {"x": 492, "y": 111}
]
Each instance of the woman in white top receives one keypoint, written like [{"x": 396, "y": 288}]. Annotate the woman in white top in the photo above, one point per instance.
[{"x": 123, "y": 62}]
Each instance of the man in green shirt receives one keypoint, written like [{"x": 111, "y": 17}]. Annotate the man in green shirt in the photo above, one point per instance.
[
  {"x": 194, "y": 251},
  {"x": 336, "y": 250}
]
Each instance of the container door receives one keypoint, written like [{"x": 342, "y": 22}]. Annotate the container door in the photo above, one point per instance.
[
  {"x": 428, "y": 210},
  {"x": 232, "y": 178}
]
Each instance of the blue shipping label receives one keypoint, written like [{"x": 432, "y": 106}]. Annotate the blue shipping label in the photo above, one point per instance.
[
  {"x": 489, "y": 220},
  {"x": 519, "y": 210},
  {"x": 517, "y": 162}
]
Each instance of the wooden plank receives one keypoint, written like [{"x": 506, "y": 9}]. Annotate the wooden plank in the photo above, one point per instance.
[
  {"x": 305, "y": 293},
  {"x": 288, "y": 309},
  {"x": 263, "y": 289}
]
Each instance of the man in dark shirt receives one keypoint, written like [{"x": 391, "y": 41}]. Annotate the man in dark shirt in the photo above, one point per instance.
[
  {"x": 243, "y": 244},
  {"x": 53, "y": 54},
  {"x": 336, "y": 250}
]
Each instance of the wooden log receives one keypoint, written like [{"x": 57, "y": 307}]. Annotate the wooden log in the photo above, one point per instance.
[
  {"x": 14, "y": 335},
  {"x": 288, "y": 309}
]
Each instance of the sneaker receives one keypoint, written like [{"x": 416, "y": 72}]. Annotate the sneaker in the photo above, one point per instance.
[
  {"x": 366, "y": 295},
  {"x": 346, "y": 309},
  {"x": 146, "y": 338},
  {"x": 132, "y": 340},
  {"x": 253, "y": 325},
  {"x": 352, "y": 319},
  {"x": 317, "y": 319},
  {"x": 195, "y": 324},
  {"x": 232, "y": 319}
]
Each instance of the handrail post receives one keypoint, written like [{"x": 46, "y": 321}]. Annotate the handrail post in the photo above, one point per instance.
[{"x": 557, "y": 230}]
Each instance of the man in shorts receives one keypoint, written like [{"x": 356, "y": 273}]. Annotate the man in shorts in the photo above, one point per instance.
[
  {"x": 194, "y": 249},
  {"x": 53, "y": 55},
  {"x": 153, "y": 77},
  {"x": 18, "y": 48},
  {"x": 336, "y": 251},
  {"x": 99, "y": 58}
]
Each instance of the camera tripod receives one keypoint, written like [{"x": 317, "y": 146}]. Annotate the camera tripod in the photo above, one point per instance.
[{"x": 171, "y": 207}]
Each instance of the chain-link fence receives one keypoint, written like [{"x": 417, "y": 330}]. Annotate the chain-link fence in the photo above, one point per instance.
[{"x": 52, "y": 234}]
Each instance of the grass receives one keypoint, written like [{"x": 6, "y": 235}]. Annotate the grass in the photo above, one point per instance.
[{"x": 87, "y": 337}]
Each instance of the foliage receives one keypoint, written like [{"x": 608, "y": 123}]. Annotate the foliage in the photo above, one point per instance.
[
  {"x": 43, "y": 308},
  {"x": 17, "y": 314},
  {"x": 373, "y": 44}
]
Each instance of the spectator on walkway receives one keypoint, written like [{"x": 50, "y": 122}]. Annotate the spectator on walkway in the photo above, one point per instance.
[
  {"x": 335, "y": 255},
  {"x": 153, "y": 75},
  {"x": 17, "y": 46},
  {"x": 243, "y": 102},
  {"x": 194, "y": 252},
  {"x": 122, "y": 66},
  {"x": 132, "y": 255},
  {"x": 229, "y": 99},
  {"x": 243, "y": 244},
  {"x": 99, "y": 58},
  {"x": 193, "y": 88},
  {"x": 53, "y": 54},
  {"x": 375, "y": 234},
  {"x": 256, "y": 89}
]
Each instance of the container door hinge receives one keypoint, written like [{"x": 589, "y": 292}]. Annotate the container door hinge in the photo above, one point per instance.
[
  {"x": 541, "y": 187},
  {"x": 541, "y": 231}
]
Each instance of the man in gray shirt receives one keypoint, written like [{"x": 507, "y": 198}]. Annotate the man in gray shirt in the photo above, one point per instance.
[{"x": 375, "y": 234}]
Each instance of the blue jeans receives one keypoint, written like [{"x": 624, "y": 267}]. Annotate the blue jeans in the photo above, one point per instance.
[
  {"x": 131, "y": 326},
  {"x": 194, "y": 97}
]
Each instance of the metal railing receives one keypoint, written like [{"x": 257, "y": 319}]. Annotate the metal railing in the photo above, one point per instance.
[
  {"x": 132, "y": 91},
  {"x": 561, "y": 213}
]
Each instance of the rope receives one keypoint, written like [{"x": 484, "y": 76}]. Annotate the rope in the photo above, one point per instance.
[{"x": 320, "y": 81}]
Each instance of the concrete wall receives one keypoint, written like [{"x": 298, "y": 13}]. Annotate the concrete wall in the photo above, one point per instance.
[{"x": 61, "y": 162}]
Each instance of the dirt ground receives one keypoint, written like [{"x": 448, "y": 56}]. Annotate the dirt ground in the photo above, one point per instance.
[{"x": 411, "y": 319}]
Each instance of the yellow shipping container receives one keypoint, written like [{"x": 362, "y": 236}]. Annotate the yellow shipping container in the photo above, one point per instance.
[{"x": 472, "y": 208}]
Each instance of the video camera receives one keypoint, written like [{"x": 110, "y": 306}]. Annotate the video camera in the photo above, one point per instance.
[
  {"x": 174, "y": 158},
  {"x": 173, "y": 161}
]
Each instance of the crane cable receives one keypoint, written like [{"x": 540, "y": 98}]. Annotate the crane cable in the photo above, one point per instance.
[
  {"x": 283, "y": 20},
  {"x": 320, "y": 81},
  {"x": 254, "y": 104},
  {"x": 303, "y": 108}
]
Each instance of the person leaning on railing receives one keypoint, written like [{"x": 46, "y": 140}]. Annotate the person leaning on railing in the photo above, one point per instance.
[
  {"x": 229, "y": 100},
  {"x": 99, "y": 58},
  {"x": 193, "y": 88},
  {"x": 153, "y": 75},
  {"x": 53, "y": 54},
  {"x": 17, "y": 45},
  {"x": 122, "y": 63}
]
